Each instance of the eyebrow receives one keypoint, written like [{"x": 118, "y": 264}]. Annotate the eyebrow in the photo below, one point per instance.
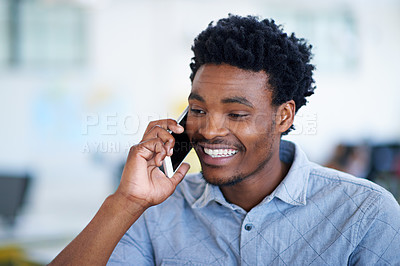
[
  {"x": 195, "y": 96},
  {"x": 239, "y": 100},
  {"x": 236, "y": 99}
]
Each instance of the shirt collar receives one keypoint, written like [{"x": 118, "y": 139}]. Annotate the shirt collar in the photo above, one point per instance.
[
  {"x": 212, "y": 193},
  {"x": 292, "y": 189}
]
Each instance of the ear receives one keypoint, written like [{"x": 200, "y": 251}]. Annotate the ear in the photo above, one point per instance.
[{"x": 285, "y": 116}]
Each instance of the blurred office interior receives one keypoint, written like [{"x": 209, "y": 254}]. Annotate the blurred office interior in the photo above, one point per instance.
[{"x": 80, "y": 80}]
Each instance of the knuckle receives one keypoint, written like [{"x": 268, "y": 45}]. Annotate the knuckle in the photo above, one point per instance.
[
  {"x": 139, "y": 146},
  {"x": 151, "y": 124},
  {"x": 157, "y": 128},
  {"x": 172, "y": 122},
  {"x": 133, "y": 150},
  {"x": 154, "y": 124},
  {"x": 160, "y": 143}
]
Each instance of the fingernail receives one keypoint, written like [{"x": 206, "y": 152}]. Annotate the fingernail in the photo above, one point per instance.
[{"x": 171, "y": 151}]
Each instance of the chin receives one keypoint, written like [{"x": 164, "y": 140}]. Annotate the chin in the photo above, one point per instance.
[{"x": 219, "y": 180}]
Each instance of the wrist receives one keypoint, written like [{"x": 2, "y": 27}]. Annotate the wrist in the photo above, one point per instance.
[{"x": 133, "y": 206}]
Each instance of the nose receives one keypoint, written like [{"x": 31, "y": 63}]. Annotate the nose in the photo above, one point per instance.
[{"x": 213, "y": 126}]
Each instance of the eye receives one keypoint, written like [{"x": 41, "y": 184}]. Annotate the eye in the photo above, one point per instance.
[
  {"x": 237, "y": 116},
  {"x": 195, "y": 111}
]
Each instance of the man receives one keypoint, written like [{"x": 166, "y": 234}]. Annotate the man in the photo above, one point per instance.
[{"x": 258, "y": 200}]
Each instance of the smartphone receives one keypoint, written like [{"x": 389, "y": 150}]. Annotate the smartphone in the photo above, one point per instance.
[{"x": 182, "y": 148}]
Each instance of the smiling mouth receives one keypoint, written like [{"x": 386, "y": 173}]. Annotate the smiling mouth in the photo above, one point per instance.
[{"x": 220, "y": 153}]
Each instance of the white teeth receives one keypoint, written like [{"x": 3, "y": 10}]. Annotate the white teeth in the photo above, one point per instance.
[{"x": 220, "y": 152}]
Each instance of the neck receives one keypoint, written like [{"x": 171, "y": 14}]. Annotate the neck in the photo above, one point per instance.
[{"x": 254, "y": 189}]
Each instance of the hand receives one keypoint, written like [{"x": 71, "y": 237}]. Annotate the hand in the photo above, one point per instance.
[
  {"x": 142, "y": 182},
  {"x": 142, "y": 185}
]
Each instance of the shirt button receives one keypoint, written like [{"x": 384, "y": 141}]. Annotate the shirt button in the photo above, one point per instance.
[{"x": 248, "y": 227}]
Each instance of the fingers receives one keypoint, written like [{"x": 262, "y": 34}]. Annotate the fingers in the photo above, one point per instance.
[
  {"x": 180, "y": 173},
  {"x": 166, "y": 124},
  {"x": 158, "y": 129},
  {"x": 160, "y": 133},
  {"x": 153, "y": 148}
]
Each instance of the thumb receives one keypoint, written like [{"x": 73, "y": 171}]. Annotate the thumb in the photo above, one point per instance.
[{"x": 180, "y": 173}]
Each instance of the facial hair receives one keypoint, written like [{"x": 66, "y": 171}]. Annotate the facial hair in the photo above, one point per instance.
[{"x": 238, "y": 177}]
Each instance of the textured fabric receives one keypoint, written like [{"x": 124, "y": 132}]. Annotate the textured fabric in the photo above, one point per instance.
[{"x": 316, "y": 216}]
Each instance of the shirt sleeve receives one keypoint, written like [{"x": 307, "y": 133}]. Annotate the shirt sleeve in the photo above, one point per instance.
[
  {"x": 134, "y": 247},
  {"x": 379, "y": 233}
]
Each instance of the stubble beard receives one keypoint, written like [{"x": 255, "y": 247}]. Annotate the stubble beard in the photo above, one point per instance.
[{"x": 238, "y": 177}]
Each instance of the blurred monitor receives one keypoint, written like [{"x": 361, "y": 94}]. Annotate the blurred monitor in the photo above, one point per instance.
[
  {"x": 13, "y": 190},
  {"x": 385, "y": 159}
]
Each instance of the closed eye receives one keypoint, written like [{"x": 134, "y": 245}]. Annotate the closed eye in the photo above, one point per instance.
[
  {"x": 237, "y": 116},
  {"x": 196, "y": 111}
]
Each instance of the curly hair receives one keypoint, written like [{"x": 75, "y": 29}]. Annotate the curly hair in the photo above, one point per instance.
[{"x": 253, "y": 44}]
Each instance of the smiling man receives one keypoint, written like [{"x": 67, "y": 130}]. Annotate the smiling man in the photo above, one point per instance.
[
  {"x": 258, "y": 200},
  {"x": 236, "y": 132}
]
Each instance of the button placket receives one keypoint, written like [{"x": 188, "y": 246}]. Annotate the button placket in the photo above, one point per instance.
[{"x": 248, "y": 240}]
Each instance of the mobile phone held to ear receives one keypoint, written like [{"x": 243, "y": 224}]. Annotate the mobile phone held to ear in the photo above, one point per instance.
[{"x": 182, "y": 148}]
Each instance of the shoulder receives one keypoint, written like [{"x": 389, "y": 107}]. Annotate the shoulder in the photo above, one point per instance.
[
  {"x": 363, "y": 193},
  {"x": 335, "y": 177},
  {"x": 359, "y": 206}
]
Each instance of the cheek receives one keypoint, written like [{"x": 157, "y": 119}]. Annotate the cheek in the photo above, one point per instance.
[
  {"x": 257, "y": 137},
  {"x": 259, "y": 124},
  {"x": 253, "y": 130},
  {"x": 192, "y": 126},
  {"x": 263, "y": 123}
]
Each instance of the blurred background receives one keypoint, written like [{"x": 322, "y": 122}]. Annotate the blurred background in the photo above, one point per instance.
[{"x": 80, "y": 80}]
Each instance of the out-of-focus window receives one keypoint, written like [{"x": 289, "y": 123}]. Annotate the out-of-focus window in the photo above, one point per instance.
[
  {"x": 42, "y": 34},
  {"x": 3, "y": 34},
  {"x": 337, "y": 41},
  {"x": 333, "y": 33}
]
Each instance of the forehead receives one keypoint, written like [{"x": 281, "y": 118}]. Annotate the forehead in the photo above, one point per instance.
[{"x": 218, "y": 81}]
